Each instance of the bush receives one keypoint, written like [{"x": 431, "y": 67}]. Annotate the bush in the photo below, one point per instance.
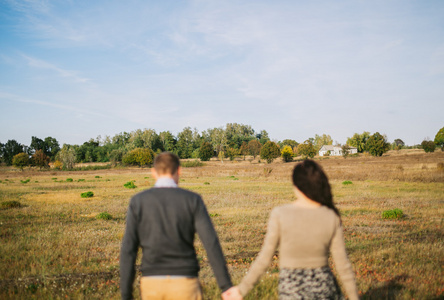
[
  {"x": 87, "y": 194},
  {"x": 69, "y": 180},
  {"x": 306, "y": 150},
  {"x": 39, "y": 159},
  {"x": 139, "y": 156},
  {"x": 287, "y": 154},
  {"x": 347, "y": 182},
  {"x": 10, "y": 204},
  {"x": 130, "y": 185},
  {"x": 377, "y": 144},
  {"x": 206, "y": 151},
  {"x": 270, "y": 151},
  {"x": 20, "y": 160},
  {"x": 104, "y": 216},
  {"x": 392, "y": 214},
  {"x": 58, "y": 165},
  {"x": 428, "y": 146},
  {"x": 25, "y": 181}
]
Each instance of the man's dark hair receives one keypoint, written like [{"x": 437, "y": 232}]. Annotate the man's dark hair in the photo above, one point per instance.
[
  {"x": 166, "y": 163},
  {"x": 311, "y": 180}
]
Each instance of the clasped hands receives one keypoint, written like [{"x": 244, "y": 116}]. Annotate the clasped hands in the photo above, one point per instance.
[{"x": 232, "y": 293}]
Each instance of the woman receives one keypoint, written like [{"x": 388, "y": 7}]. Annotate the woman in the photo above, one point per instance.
[{"x": 306, "y": 231}]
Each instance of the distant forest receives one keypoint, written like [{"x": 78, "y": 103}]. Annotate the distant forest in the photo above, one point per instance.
[{"x": 230, "y": 141}]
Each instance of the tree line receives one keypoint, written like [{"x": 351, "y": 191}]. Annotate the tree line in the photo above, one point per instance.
[{"x": 139, "y": 147}]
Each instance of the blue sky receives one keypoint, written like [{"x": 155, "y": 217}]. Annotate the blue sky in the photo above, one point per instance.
[{"x": 74, "y": 70}]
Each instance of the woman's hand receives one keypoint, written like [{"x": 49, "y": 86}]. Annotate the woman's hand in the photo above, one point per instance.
[{"x": 232, "y": 293}]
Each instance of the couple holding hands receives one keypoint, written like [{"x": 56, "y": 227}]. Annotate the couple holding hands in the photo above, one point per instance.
[{"x": 163, "y": 222}]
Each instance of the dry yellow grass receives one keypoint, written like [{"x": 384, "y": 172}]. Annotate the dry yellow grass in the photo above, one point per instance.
[{"x": 54, "y": 247}]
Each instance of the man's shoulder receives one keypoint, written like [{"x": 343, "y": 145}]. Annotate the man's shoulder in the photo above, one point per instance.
[{"x": 159, "y": 191}]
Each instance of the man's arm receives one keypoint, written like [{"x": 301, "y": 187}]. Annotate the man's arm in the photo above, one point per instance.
[
  {"x": 128, "y": 254},
  {"x": 208, "y": 236}
]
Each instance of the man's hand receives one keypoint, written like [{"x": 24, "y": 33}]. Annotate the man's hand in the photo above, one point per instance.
[{"x": 232, "y": 293}]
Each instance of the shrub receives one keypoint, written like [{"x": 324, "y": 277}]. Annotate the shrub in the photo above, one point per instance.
[
  {"x": 270, "y": 151},
  {"x": 191, "y": 164},
  {"x": 347, "y": 182},
  {"x": 130, "y": 185},
  {"x": 69, "y": 180},
  {"x": 97, "y": 176},
  {"x": 58, "y": 165},
  {"x": 377, "y": 144},
  {"x": 20, "y": 160},
  {"x": 25, "y": 181},
  {"x": 428, "y": 146},
  {"x": 392, "y": 214},
  {"x": 80, "y": 180},
  {"x": 287, "y": 154},
  {"x": 206, "y": 151},
  {"x": 306, "y": 150},
  {"x": 104, "y": 216},
  {"x": 139, "y": 156},
  {"x": 10, "y": 204},
  {"x": 206, "y": 183},
  {"x": 87, "y": 194},
  {"x": 39, "y": 159}
]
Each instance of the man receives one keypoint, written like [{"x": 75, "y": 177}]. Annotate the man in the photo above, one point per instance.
[{"x": 163, "y": 221}]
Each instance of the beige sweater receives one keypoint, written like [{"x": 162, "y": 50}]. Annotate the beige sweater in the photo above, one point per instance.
[{"x": 305, "y": 237}]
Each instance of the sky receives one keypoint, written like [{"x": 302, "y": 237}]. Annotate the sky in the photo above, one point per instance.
[{"x": 74, "y": 70}]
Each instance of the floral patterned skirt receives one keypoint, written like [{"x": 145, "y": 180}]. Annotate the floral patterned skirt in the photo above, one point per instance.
[{"x": 319, "y": 283}]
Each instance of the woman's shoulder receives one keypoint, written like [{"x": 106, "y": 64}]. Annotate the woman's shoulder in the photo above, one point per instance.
[{"x": 292, "y": 208}]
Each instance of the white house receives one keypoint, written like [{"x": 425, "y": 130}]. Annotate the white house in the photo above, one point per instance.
[{"x": 335, "y": 150}]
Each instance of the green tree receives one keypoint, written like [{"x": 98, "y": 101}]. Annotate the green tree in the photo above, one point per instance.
[
  {"x": 206, "y": 151},
  {"x": 377, "y": 144},
  {"x": 306, "y": 149},
  {"x": 218, "y": 140},
  {"x": 345, "y": 150},
  {"x": 439, "y": 138},
  {"x": 263, "y": 137},
  {"x": 167, "y": 140},
  {"x": 269, "y": 151},
  {"x": 139, "y": 156},
  {"x": 20, "y": 160},
  {"x": 11, "y": 148},
  {"x": 428, "y": 146},
  {"x": 52, "y": 147},
  {"x": 237, "y": 134},
  {"x": 184, "y": 145},
  {"x": 40, "y": 159},
  {"x": 243, "y": 150},
  {"x": 359, "y": 141},
  {"x": 254, "y": 147},
  {"x": 232, "y": 152},
  {"x": 289, "y": 142},
  {"x": 37, "y": 144},
  {"x": 321, "y": 140},
  {"x": 67, "y": 156},
  {"x": 287, "y": 153}
]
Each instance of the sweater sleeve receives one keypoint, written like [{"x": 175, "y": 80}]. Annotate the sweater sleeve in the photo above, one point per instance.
[
  {"x": 264, "y": 257},
  {"x": 342, "y": 264},
  {"x": 208, "y": 236},
  {"x": 128, "y": 254}
]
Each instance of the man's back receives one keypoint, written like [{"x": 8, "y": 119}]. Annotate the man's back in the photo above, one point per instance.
[{"x": 163, "y": 221}]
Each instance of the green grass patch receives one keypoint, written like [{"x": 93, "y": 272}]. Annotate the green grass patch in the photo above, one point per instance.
[
  {"x": 206, "y": 183},
  {"x": 347, "y": 182},
  {"x": 392, "y": 214},
  {"x": 130, "y": 185},
  {"x": 97, "y": 176},
  {"x": 69, "y": 180},
  {"x": 25, "y": 181},
  {"x": 88, "y": 194},
  {"x": 104, "y": 216}
]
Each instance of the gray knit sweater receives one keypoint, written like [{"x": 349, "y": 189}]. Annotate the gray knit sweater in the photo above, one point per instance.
[{"x": 163, "y": 222}]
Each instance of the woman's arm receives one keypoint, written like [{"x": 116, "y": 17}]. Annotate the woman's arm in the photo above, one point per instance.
[
  {"x": 342, "y": 264},
  {"x": 264, "y": 257}
]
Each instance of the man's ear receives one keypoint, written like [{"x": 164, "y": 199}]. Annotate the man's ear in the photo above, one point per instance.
[
  {"x": 154, "y": 173},
  {"x": 179, "y": 171}
]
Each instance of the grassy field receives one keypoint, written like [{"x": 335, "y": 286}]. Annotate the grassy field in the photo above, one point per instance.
[{"x": 54, "y": 247}]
